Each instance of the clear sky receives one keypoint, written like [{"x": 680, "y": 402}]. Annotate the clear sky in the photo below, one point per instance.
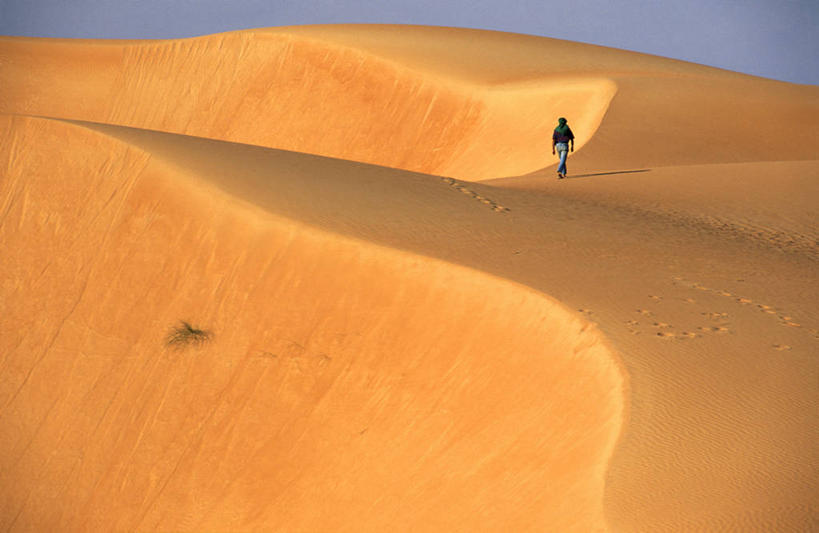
[{"x": 772, "y": 38}]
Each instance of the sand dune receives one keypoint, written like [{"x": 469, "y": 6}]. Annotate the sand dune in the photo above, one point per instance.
[
  {"x": 459, "y": 103},
  {"x": 300, "y": 93},
  {"x": 632, "y": 349},
  {"x": 348, "y": 386},
  {"x": 771, "y": 203}
]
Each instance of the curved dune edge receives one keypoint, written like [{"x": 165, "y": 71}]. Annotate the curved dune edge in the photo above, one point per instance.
[
  {"x": 689, "y": 410},
  {"x": 678, "y": 466},
  {"x": 463, "y": 103},
  {"x": 340, "y": 386},
  {"x": 296, "y": 91}
]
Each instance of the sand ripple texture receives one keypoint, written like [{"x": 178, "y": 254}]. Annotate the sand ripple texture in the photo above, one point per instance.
[
  {"x": 298, "y": 92},
  {"x": 344, "y": 385},
  {"x": 251, "y": 282},
  {"x": 457, "y": 103}
]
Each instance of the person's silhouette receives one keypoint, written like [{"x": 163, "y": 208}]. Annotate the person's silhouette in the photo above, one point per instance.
[{"x": 561, "y": 139}]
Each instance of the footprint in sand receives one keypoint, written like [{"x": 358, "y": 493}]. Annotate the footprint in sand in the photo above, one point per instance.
[
  {"x": 482, "y": 199},
  {"x": 781, "y": 347},
  {"x": 661, "y": 325},
  {"x": 715, "y": 316},
  {"x": 655, "y": 298},
  {"x": 668, "y": 335},
  {"x": 783, "y": 318},
  {"x": 788, "y": 321},
  {"x": 714, "y": 329},
  {"x": 644, "y": 312},
  {"x": 631, "y": 325}
]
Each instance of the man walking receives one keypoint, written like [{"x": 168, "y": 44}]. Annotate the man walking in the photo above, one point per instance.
[{"x": 561, "y": 139}]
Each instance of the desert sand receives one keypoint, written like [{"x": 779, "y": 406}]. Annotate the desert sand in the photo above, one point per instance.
[{"x": 413, "y": 325}]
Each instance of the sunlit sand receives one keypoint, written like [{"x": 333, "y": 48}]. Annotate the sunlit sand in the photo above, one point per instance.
[{"x": 408, "y": 323}]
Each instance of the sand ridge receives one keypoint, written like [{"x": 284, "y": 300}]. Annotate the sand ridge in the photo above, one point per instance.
[
  {"x": 311, "y": 356},
  {"x": 370, "y": 95},
  {"x": 279, "y": 89},
  {"x": 668, "y": 295},
  {"x": 686, "y": 235}
]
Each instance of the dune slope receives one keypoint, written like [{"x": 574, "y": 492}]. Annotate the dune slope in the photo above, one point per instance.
[
  {"x": 346, "y": 386},
  {"x": 300, "y": 93},
  {"x": 715, "y": 319},
  {"x": 461, "y": 103},
  {"x": 387, "y": 349}
]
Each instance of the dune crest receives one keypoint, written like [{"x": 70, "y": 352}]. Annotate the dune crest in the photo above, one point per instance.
[
  {"x": 461, "y": 103},
  {"x": 300, "y": 93},
  {"x": 346, "y": 385},
  {"x": 384, "y": 347}
]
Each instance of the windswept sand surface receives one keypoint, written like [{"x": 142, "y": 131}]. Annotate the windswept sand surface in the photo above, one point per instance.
[
  {"x": 396, "y": 349},
  {"x": 458, "y": 103}
]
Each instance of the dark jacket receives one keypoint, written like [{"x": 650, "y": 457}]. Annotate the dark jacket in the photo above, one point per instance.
[{"x": 564, "y": 138}]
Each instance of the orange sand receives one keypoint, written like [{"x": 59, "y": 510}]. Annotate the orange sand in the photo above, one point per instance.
[
  {"x": 459, "y": 103},
  {"x": 630, "y": 350}
]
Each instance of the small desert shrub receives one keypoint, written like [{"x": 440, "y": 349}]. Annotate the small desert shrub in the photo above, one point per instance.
[{"x": 183, "y": 334}]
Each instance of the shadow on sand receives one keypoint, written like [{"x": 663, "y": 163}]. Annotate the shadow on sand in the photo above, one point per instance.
[{"x": 609, "y": 173}]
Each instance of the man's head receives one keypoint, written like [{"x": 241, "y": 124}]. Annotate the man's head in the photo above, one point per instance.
[{"x": 561, "y": 121}]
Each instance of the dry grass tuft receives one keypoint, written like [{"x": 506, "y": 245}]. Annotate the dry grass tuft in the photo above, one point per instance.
[{"x": 184, "y": 334}]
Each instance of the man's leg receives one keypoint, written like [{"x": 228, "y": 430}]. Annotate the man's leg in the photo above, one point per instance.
[{"x": 562, "y": 167}]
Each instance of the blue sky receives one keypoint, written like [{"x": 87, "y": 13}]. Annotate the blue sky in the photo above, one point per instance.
[{"x": 773, "y": 38}]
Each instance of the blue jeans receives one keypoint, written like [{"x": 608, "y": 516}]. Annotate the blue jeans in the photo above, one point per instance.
[{"x": 563, "y": 152}]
